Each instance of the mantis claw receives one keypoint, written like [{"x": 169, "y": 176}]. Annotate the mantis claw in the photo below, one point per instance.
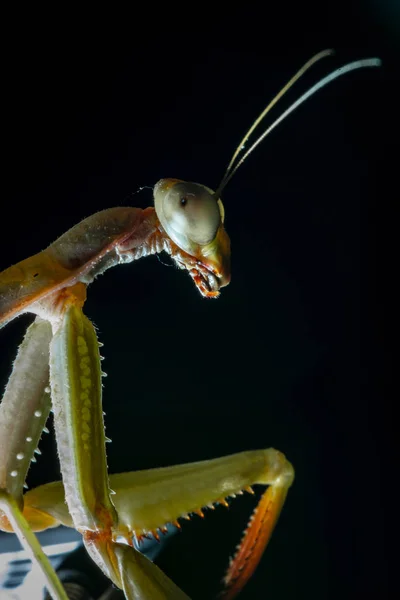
[{"x": 255, "y": 539}]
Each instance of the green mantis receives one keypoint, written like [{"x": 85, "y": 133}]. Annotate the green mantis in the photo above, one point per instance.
[{"x": 58, "y": 368}]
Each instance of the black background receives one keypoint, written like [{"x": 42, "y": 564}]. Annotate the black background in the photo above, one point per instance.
[{"x": 292, "y": 355}]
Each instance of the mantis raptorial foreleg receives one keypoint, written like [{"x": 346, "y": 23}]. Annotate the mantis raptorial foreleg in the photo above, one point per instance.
[
  {"x": 24, "y": 408},
  {"x": 146, "y": 501},
  {"x": 23, "y": 413},
  {"x": 75, "y": 377}
]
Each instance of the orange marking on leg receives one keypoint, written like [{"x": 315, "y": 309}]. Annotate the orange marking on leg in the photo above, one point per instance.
[
  {"x": 105, "y": 531},
  {"x": 223, "y": 502},
  {"x": 155, "y": 535},
  {"x": 94, "y": 537},
  {"x": 143, "y": 535},
  {"x": 59, "y": 302}
]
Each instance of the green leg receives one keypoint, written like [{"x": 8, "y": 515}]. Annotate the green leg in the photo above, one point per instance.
[
  {"x": 75, "y": 377},
  {"x": 148, "y": 500},
  {"x": 23, "y": 414}
]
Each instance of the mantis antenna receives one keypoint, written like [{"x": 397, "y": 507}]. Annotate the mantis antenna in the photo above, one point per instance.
[{"x": 358, "y": 64}]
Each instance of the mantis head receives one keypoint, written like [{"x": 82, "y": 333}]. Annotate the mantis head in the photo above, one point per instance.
[
  {"x": 192, "y": 215},
  {"x": 193, "y": 218}
]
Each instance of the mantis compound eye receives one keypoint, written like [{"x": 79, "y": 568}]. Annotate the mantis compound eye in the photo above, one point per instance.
[
  {"x": 193, "y": 219},
  {"x": 188, "y": 212}
]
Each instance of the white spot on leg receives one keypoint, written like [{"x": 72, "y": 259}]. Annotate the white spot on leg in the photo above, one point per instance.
[
  {"x": 20, "y": 455},
  {"x": 14, "y": 473}
]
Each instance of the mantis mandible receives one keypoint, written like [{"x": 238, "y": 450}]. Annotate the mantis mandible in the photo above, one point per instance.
[{"x": 58, "y": 367}]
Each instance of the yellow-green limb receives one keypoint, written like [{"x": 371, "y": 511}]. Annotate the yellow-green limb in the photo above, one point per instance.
[
  {"x": 24, "y": 409},
  {"x": 75, "y": 377},
  {"x": 255, "y": 540},
  {"x": 31, "y": 544},
  {"x": 141, "y": 579},
  {"x": 147, "y": 500}
]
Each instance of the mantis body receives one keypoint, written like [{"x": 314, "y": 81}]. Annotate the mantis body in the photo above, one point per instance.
[{"x": 58, "y": 367}]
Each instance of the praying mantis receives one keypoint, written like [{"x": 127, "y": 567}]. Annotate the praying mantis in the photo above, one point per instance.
[{"x": 58, "y": 368}]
